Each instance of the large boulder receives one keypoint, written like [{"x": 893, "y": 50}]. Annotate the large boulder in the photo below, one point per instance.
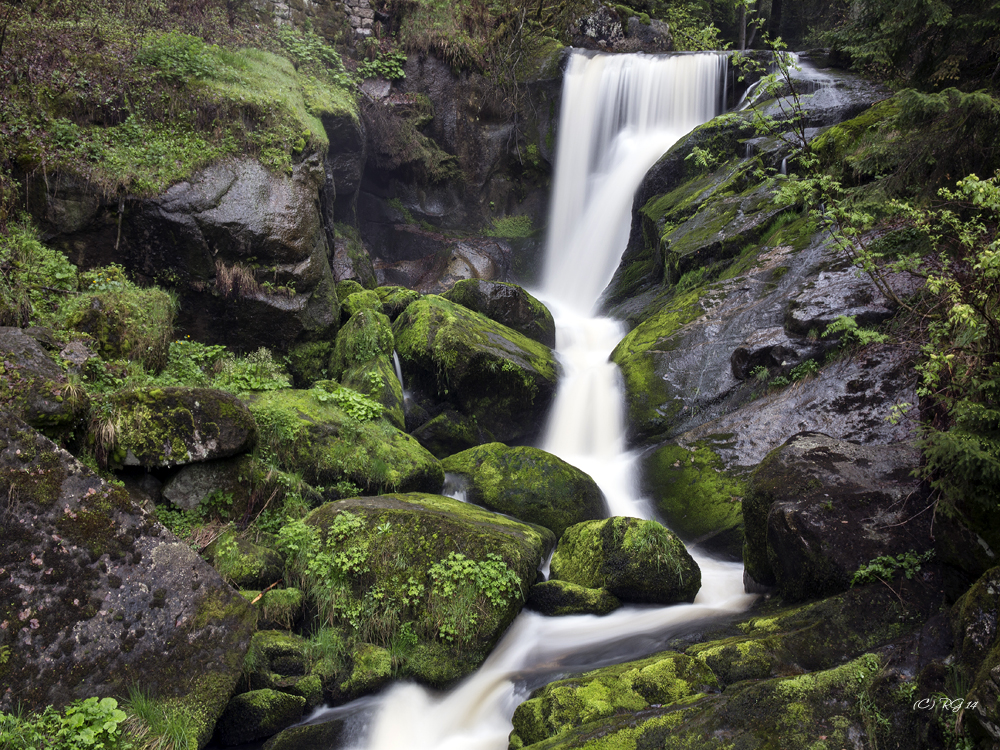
[
  {"x": 636, "y": 561},
  {"x": 817, "y": 509},
  {"x": 95, "y": 588},
  {"x": 337, "y": 435},
  {"x": 508, "y": 304},
  {"x": 162, "y": 427},
  {"x": 529, "y": 484},
  {"x": 454, "y": 356},
  {"x": 436, "y": 579},
  {"x": 362, "y": 357},
  {"x": 35, "y": 388},
  {"x": 257, "y": 714}
]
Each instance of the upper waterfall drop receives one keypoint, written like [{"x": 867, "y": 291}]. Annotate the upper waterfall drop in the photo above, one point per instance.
[{"x": 620, "y": 114}]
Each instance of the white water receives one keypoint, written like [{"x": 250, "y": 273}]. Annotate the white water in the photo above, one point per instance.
[{"x": 619, "y": 115}]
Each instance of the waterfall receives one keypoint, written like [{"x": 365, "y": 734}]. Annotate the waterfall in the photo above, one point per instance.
[{"x": 619, "y": 115}]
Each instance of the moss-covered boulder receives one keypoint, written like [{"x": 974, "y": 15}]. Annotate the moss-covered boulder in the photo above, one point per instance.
[
  {"x": 485, "y": 370},
  {"x": 337, "y": 436},
  {"x": 974, "y": 622},
  {"x": 242, "y": 563},
  {"x": 698, "y": 498},
  {"x": 347, "y": 287},
  {"x": 362, "y": 359},
  {"x": 350, "y": 258},
  {"x": 33, "y": 387},
  {"x": 309, "y": 737},
  {"x": 435, "y": 580},
  {"x": 365, "y": 299},
  {"x": 529, "y": 484},
  {"x": 257, "y": 714},
  {"x": 278, "y": 608},
  {"x": 508, "y": 304},
  {"x": 557, "y": 598},
  {"x": 162, "y": 427},
  {"x": 194, "y": 484},
  {"x": 636, "y": 561},
  {"x": 448, "y": 432},
  {"x": 95, "y": 588},
  {"x": 622, "y": 690},
  {"x": 817, "y": 509},
  {"x": 395, "y": 299}
]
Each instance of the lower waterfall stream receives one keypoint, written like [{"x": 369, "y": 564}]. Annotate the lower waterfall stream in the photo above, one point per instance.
[{"x": 619, "y": 115}]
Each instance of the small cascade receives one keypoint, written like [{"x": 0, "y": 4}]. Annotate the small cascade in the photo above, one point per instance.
[
  {"x": 625, "y": 111},
  {"x": 399, "y": 370},
  {"x": 784, "y": 166}
]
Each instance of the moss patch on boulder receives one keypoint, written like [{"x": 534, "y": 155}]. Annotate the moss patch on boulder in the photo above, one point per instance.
[
  {"x": 257, "y": 714},
  {"x": 508, "y": 304},
  {"x": 529, "y": 484},
  {"x": 557, "y": 598},
  {"x": 637, "y": 561}
]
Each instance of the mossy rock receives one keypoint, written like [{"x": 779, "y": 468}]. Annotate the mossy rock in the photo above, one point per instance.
[
  {"x": 371, "y": 670},
  {"x": 377, "y": 379},
  {"x": 367, "y": 336},
  {"x": 557, "y": 598},
  {"x": 163, "y": 427},
  {"x": 442, "y": 580},
  {"x": 652, "y": 404},
  {"x": 309, "y": 737},
  {"x": 739, "y": 658},
  {"x": 346, "y": 288},
  {"x": 35, "y": 388},
  {"x": 350, "y": 258},
  {"x": 697, "y": 497},
  {"x": 973, "y": 620},
  {"x": 311, "y": 434},
  {"x": 244, "y": 564},
  {"x": 636, "y": 561},
  {"x": 449, "y": 432},
  {"x": 277, "y": 609},
  {"x": 624, "y": 689},
  {"x": 508, "y": 304},
  {"x": 487, "y": 371},
  {"x": 309, "y": 362},
  {"x": 529, "y": 484},
  {"x": 395, "y": 299},
  {"x": 257, "y": 714},
  {"x": 366, "y": 299}
]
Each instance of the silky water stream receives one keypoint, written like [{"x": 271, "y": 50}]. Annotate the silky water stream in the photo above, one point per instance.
[{"x": 619, "y": 115}]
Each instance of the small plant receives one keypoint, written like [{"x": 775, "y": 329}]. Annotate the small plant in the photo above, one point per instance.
[
  {"x": 703, "y": 159},
  {"x": 510, "y": 226},
  {"x": 850, "y": 332},
  {"x": 886, "y": 566},
  {"x": 780, "y": 382},
  {"x": 804, "y": 370},
  {"x": 92, "y": 723},
  {"x": 760, "y": 374},
  {"x": 235, "y": 281},
  {"x": 153, "y": 726},
  {"x": 355, "y": 405},
  {"x": 387, "y": 65},
  {"x": 257, "y": 371}
]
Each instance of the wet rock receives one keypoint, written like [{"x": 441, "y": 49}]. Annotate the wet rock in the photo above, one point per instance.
[
  {"x": 362, "y": 355},
  {"x": 596, "y": 696},
  {"x": 558, "y": 598},
  {"x": 486, "y": 371},
  {"x": 529, "y": 484},
  {"x": 696, "y": 495},
  {"x": 33, "y": 387},
  {"x": 309, "y": 737},
  {"x": 636, "y": 561},
  {"x": 194, "y": 483},
  {"x": 600, "y": 29},
  {"x": 95, "y": 587},
  {"x": 174, "y": 426},
  {"x": 463, "y": 583},
  {"x": 975, "y": 626},
  {"x": 257, "y": 714},
  {"x": 329, "y": 439},
  {"x": 817, "y": 509},
  {"x": 350, "y": 258},
  {"x": 242, "y": 563},
  {"x": 444, "y": 261},
  {"x": 653, "y": 36},
  {"x": 446, "y": 433},
  {"x": 507, "y": 304},
  {"x": 395, "y": 299}
]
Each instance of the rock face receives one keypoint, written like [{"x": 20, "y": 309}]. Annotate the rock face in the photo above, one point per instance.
[
  {"x": 529, "y": 484},
  {"x": 33, "y": 387},
  {"x": 460, "y": 359},
  {"x": 454, "y": 576},
  {"x": 974, "y": 622},
  {"x": 817, "y": 509},
  {"x": 95, "y": 588},
  {"x": 508, "y": 304},
  {"x": 636, "y": 561},
  {"x": 176, "y": 426}
]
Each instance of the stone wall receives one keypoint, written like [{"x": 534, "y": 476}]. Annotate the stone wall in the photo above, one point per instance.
[{"x": 332, "y": 19}]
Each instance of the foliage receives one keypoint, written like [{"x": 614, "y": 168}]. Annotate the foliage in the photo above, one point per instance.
[
  {"x": 176, "y": 56},
  {"x": 388, "y": 65},
  {"x": 356, "y": 405},
  {"x": 885, "y": 567},
  {"x": 849, "y": 332},
  {"x": 510, "y": 226},
  {"x": 91, "y": 723},
  {"x": 34, "y": 279},
  {"x": 803, "y": 370},
  {"x": 152, "y": 725},
  {"x": 256, "y": 371},
  {"x": 461, "y": 586}
]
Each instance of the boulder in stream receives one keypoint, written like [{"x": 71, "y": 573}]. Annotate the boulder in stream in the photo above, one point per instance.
[
  {"x": 529, "y": 484},
  {"x": 636, "y": 561}
]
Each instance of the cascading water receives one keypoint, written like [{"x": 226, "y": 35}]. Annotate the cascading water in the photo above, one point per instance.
[{"x": 619, "y": 115}]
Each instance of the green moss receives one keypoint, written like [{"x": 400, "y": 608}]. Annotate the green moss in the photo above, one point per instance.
[
  {"x": 372, "y": 669},
  {"x": 664, "y": 679},
  {"x": 558, "y": 598},
  {"x": 739, "y": 658},
  {"x": 365, "y": 299},
  {"x": 309, "y": 362},
  {"x": 529, "y": 484},
  {"x": 395, "y": 299},
  {"x": 637, "y": 561},
  {"x": 652, "y": 406},
  {"x": 696, "y": 496},
  {"x": 365, "y": 337},
  {"x": 346, "y": 288}
]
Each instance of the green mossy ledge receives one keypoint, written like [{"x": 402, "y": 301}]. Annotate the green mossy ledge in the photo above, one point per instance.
[
  {"x": 163, "y": 427},
  {"x": 493, "y": 374},
  {"x": 417, "y": 557},
  {"x": 317, "y": 438},
  {"x": 257, "y": 714},
  {"x": 697, "y": 498},
  {"x": 636, "y": 561},
  {"x": 529, "y": 484},
  {"x": 653, "y": 404},
  {"x": 558, "y": 598},
  {"x": 98, "y": 597},
  {"x": 664, "y": 679}
]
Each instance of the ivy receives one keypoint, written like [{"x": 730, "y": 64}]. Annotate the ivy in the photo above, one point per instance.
[{"x": 886, "y": 567}]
